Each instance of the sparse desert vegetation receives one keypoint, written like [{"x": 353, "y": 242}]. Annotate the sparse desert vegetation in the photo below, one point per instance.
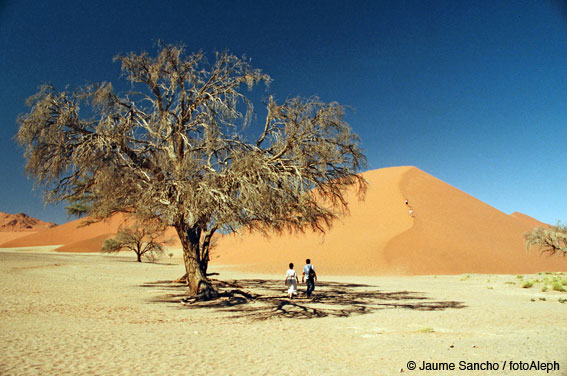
[{"x": 544, "y": 281}]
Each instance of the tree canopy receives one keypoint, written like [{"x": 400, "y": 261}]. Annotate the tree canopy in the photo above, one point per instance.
[
  {"x": 178, "y": 148},
  {"x": 142, "y": 239}
]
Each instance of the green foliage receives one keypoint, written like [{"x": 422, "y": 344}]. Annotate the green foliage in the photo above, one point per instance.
[
  {"x": 527, "y": 285},
  {"x": 557, "y": 286},
  {"x": 111, "y": 245}
]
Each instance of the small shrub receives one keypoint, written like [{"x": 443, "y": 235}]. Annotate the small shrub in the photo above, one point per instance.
[
  {"x": 527, "y": 285},
  {"x": 557, "y": 286},
  {"x": 465, "y": 277},
  {"x": 544, "y": 288},
  {"x": 562, "y": 300},
  {"x": 520, "y": 276},
  {"x": 426, "y": 330}
]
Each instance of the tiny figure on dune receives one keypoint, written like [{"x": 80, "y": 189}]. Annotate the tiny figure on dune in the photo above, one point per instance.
[
  {"x": 291, "y": 281},
  {"x": 407, "y": 203},
  {"x": 309, "y": 276},
  {"x": 411, "y": 213}
]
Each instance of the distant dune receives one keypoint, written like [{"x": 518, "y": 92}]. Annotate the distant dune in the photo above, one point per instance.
[
  {"x": 72, "y": 236},
  {"x": 450, "y": 232},
  {"x": 22, "y": 222}
]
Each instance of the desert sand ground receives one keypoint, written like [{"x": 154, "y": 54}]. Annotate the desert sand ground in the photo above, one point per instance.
[{"x": 108, "y": 315}]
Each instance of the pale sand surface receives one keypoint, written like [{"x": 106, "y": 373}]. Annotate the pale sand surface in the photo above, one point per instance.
[{"x": 107, "y": 315}]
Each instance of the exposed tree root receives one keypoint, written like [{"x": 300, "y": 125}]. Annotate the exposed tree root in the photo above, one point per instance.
[
  {"x": 182, "y": 279},
  {"x": 214, "y": 294}
]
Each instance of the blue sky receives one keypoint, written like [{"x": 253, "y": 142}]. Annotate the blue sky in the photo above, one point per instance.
[{"x": 472, "y": 92}]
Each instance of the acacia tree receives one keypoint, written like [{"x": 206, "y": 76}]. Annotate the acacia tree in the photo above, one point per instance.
[
  {"x": 552, "y": 239},
  {"x": 178, "y": 148},
  {"x": 143, "y": 240}
]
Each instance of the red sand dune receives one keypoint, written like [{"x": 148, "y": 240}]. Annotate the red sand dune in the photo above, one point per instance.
[
  {"x": 72, "y": 236},
  {"x": 22, "y": 222},
  {"x": 527, "y": 220},
  {"x": 451, "y": 233},
  {"x": 6, "y": 236}
]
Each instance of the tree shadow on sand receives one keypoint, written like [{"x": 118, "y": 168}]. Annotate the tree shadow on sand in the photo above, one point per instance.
[{"x": 268, "y": 299}]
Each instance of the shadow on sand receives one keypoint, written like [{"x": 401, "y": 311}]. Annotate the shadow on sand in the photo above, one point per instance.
[{"x": 268, "y": 299}]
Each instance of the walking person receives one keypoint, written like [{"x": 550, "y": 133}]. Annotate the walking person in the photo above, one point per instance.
[
  {"x": 291, "y": 281},
  {"x": 309, "y": 276}
]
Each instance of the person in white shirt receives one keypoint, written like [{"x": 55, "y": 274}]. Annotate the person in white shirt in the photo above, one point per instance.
[
  {"x": 309, "y": 276},
  {"x": 291, "y": 281}
]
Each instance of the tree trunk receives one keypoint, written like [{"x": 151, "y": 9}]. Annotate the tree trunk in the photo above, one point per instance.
[
  {"x": 205, "y": 246},
  {"x": 139, "y": 256},
  {"x": 196, "y": 269}
]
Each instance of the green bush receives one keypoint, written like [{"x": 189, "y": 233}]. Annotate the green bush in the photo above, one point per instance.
[
  {"x": 527, "y": 285},
  {"x": 557, "y": 286}
]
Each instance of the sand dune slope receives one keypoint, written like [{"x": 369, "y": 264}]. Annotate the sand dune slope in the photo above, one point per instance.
[
  {"x": 72, "y": 236},
  {"x": 351, "y": 246},
  {"x": 454, "y": 232},
  {"x": 6, "y": 236},
  {"x": 451, "y": 233},
  {"x": 527, "y": 220}
]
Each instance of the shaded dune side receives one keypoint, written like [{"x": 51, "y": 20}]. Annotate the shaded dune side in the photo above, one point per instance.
[
  {"x": 352, "y": 246},
  {"x": 90, "y": 245},
  {"x": 455, "y": 233}
]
